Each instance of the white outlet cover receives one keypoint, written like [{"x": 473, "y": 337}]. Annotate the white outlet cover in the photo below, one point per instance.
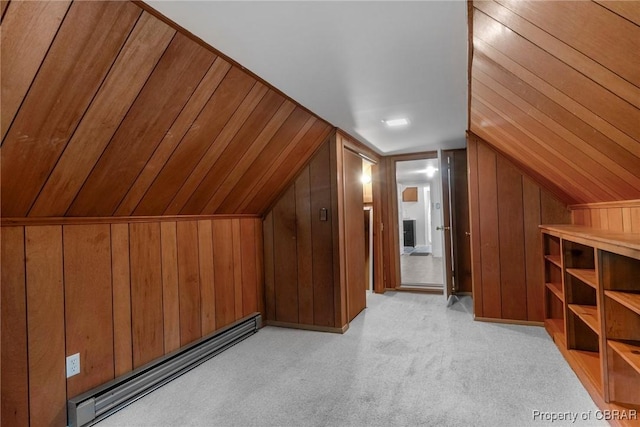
[{"x": 73, "y": 365}]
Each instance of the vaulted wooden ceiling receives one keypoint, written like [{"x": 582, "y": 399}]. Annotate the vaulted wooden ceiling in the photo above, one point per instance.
[
  {"x": 109, "y": 111},
  {"x": 556, "y": 87}
]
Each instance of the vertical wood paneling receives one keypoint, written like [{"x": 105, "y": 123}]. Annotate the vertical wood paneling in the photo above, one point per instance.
[
  {"x": 170, "y": 286},
  {"x": 111, "y": 292},
  {"x": 122, "y": 345},
  {"x": 146, "y": 292},
  {"x": 207, "y": 283},
  {"x": 45, "y": 326},
  {"x": 513, "y": 288},
  {"x": 489, "y": 237},
  {"x": 532, "y": 244},
  {"x": 79, "y": 58},
  {"x": 507, "y": 207},
  {"x": 237, "y": 267},
  {"x": 87, "y": 283},
  {"x": 250, "y": 265},
  {"x": 137, "y": 59},
  {"x": 474, "y": 220},
  {"x": 304, "y": 250},
  {"x": 172, "y": 82},
  {"x": 269, "y": 266},
  {"x": 285, "y": 271},
  {"x": 13, "y": 357},
  {"x": 24, "y": 51},
  {"x": 188, "y": 281},
  {"x": 223, "y": 270},
  {"x": 261, "y": 267}
]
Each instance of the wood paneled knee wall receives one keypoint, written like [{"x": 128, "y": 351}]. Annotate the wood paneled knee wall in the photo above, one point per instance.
[{"x": 121, "y": 292}]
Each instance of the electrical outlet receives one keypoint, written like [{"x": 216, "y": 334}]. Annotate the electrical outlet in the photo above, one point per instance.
[{"x": 73, "y": 365}]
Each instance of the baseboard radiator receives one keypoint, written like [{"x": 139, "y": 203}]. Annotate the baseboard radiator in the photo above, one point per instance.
[{"x": 100, "y": 402}]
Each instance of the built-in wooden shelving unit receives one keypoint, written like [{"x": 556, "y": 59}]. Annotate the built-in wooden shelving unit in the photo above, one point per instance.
[{"x": 592, "y": 310}]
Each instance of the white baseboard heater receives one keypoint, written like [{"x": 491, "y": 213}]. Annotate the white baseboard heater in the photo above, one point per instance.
[{"x": 100, "y": 402}]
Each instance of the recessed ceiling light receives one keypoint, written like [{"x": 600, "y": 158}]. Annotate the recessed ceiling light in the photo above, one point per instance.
[{"x": 396, "y": 122}]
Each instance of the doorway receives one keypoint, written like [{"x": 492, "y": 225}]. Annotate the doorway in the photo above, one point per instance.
[{"x": 420, "y": 242}]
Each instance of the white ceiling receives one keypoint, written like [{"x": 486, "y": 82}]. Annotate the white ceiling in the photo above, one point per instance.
[
  {"x": 414, "y": 171},
  {"x": 354, "y": 63}
]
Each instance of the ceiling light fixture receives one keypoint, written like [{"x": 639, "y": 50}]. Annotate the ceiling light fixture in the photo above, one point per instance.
[
  {"x": 430, "y": 171},
  {"x": 396, "y": 122},
  {"x": 365, "y": 179}
]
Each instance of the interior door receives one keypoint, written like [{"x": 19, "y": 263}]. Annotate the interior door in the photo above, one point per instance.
[
  {"x": 445, "y": 170},
  {"x": 456, "y": 222}
]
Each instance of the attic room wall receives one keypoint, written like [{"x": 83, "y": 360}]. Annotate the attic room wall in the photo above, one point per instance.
[
  {"x": 107, "y": 110},
  {"x": 621, "y": 217},
  {"x": 555, "y": 86},
  {"x": 121, "y": 293},
  {"x": 506, "y": 208}
]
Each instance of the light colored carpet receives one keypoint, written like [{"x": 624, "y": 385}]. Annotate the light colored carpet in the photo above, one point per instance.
[
  {"x": 407, "y": 360},
  {"x": 421, "y": 270}
]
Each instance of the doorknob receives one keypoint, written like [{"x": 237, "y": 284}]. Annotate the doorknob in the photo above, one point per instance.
[
  {"x": 442, "y": 227},
  {"x": 468, "y": 234}
]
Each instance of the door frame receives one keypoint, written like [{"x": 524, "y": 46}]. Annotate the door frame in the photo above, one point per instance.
[{"x": 393, "y": 221}]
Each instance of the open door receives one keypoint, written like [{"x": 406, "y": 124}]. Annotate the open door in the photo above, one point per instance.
[{"x": 455, "y": 227}]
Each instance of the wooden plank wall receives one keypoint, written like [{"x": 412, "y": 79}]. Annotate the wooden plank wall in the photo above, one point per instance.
[
  {"x": 108, "y": 110},
  {"x": 300, "y": 268},
  {"x": 120, "y": 293},
  {"x": 621, "y": 217},
  {"x": 506, "y": 208},
  {"x": 555, "y": 86}
]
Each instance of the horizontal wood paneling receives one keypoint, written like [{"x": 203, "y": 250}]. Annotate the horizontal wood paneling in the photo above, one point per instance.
[
  {"x": 505, "y": 242},
  {"x": 119, "y": 294},
  {"x": 555, "y": 89},
  {"x": 108, "y": 110}
]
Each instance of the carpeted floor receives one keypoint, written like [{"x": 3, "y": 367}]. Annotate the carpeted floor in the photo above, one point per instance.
[{"x": 407, "y": 360}]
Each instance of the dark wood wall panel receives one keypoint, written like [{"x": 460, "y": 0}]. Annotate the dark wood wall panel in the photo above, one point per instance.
[
  {"x": 14, "y": 367},
  {"x": 189, "y": 281},
  {"x": 23, "y": 51},
  {"x": 286, "y": 270},
  {"x": 299, "y": 248},
  {"x": 506, "y": 208},
  {"x": 223, "y": 264},
  {"x": 146, "y": 292},
  {"x": 84, "y": 48},
  {"x": 555, "y": 89},
  {"x": 87, "y": 279},
  {"x": 45, "y": 326},
  {"x": 120, "y": 270},
  {"x": 109, "y": 110},
  {"x": 119, "y": 292}
]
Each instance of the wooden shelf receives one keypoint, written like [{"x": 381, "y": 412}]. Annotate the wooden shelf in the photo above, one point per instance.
[
  {"x": 588, "y": 363},
  {"x": 629, "y": 352},
  {"x": 554, "y": 259},
  {"x": 629, "y": 300},
  {"x": 588, "y": 276},
  {"x": 556, "y": 288},
  {"x": 588, "y": 314}
]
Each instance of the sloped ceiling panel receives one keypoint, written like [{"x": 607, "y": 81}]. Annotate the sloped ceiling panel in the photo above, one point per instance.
[
  {"x": 110, "y": 111},
  {"x": 556, "y": 87}
]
